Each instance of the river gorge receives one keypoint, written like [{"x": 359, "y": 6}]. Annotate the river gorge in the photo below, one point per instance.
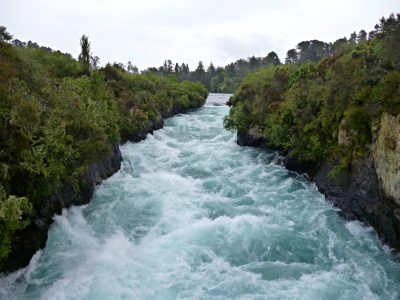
[{"x": 192, "y": 215}]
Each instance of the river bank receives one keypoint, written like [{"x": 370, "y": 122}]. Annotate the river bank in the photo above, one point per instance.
[
  {"x": 191, "y": 214},
  {"x": 359, "y": 194},
  {"x": 33, "y": 237}
]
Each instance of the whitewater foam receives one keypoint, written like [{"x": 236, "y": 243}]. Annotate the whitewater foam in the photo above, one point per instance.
[{"x": 191, "y": 215}]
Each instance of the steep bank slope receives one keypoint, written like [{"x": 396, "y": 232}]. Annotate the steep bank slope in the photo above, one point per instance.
[
  {"x": 61, "y": 126},
  {"x": 224, "y": 222},
  {"x": 367, "y": 190},
  {"x": 336, "y": 120},
  {"x": 33, "y": 237}
]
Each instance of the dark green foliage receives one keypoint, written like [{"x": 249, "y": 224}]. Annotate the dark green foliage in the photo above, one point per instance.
[
  {"x": 84, "y": 56},
  {"x": 323, "y": 89},
  {"x": 291, "y": 56},
  {"x": 391, "y": 92},
  {"x": 312, "y": 50},
  {"x": 56, "y": 63},
  {"x": 271, "y": 59},
  {"x": 58, "y": 115},
  {"x": 218, "y": 80},
  {"x": 4, "y": 35},
  {"x": 145, "y": 99}
]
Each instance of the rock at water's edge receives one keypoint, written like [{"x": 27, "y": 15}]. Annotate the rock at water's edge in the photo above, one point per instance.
[
  {"x": 366, "y": 192},
  {"x": 386, "y": 152}
]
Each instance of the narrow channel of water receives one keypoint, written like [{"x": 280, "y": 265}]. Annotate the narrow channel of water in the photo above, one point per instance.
[{"x": 191, "y": 215}]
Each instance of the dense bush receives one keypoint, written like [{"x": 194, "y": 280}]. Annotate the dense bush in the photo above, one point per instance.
[
  {"x": 57, "y": 118},
  {"x": 302, "y": 105},
  {"x": 143, "y": 99}
]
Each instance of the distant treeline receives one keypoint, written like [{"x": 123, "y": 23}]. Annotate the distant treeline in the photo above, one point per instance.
[
  {"x": 58, "y": 115},
  {"x": 216, "y": 79},
  {"x": 228, "y": 79}
]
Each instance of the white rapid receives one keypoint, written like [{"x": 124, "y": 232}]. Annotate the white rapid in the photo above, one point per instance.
[{"x": 191, "y": 215}]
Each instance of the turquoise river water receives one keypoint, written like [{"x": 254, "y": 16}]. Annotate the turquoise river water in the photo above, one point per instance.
[{"x": 191, "y": 215}]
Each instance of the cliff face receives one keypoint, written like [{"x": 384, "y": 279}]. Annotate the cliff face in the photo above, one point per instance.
[
  {"x": 141, "y": 134},
  {"x": 253, "y": 138},
  {"x": 155, "y": 125},
  {"x": 387, "y": 156},
  {"x": 370, "y": 190},
  {"x": 359, "y": 196}
]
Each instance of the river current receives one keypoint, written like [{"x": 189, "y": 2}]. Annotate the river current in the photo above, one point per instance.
[{"x": 191, "y": 215}]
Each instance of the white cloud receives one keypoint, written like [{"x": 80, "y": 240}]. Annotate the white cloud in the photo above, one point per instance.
[{"x": 147, "y": 32}]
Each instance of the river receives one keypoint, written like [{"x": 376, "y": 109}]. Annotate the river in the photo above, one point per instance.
[{"x": 191, "y": 215}]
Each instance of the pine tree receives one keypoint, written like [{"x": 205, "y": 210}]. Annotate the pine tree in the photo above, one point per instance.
[{"x": 84, "y": 57}]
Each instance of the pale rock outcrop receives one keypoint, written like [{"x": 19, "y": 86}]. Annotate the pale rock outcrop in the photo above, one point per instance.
[{"x": 386, "y": 152}]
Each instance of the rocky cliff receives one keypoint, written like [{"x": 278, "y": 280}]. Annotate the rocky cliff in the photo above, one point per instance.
[
  {"x": 369, "y": 190},
  {"x": 386, "y": 153}
]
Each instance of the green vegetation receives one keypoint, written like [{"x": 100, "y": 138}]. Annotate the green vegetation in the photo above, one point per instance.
[
  {"x": 58, "y": 115},
  {"x": 322, "y": 90},
  {"x": 229, "y": 78},
  {"x": 217, "y": 79},
  {"x": 144, "y": 99}
]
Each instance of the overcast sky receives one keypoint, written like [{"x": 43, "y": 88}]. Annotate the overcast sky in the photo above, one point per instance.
[{"x": 149, "y": 31}]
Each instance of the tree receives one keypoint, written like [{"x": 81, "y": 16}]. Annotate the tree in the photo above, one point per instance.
[
  {"x": 271, "y": 59},
  {"x": 231, "y": 69},
  {"x": 312, "y": 50},
  {"x": 362, "y": 36},
  {"x": 151, "y": 70},
  {"x": 185, "y": 71},
  {"x": 84, "y": 57},
  {"x": 94, "y": 62},
  {"x": 18, "y": 43},
  {"x": 131, "y": 68},
  {"x": 253, "y": 63},
  {"x": 291, "y": 56},
  {"x": 353, "y": 37},
  {"x": 211, "y": 69},
  {"x": 177, "y": 70},
  {"x": 166, "y": 68},
  {"x": 371, "y": 34},
  {"x": 33, "y": 45},
  {"x": 338, "y": 44},
  {"x": 199, "y": 72},
  {"x": 200, "y": 68},
  {"x": 4, "y": 35},
  {"x": 388, "y": 31}
]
